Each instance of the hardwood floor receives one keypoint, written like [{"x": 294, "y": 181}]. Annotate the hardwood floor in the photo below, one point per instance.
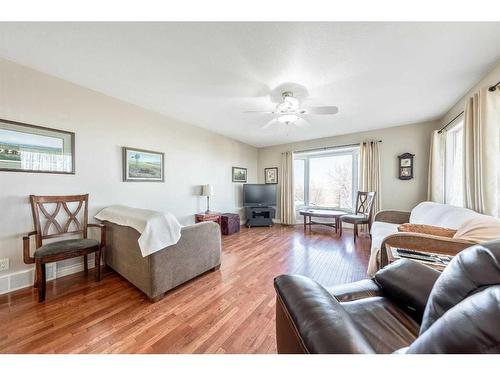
[{"x": 227, "y": 311}]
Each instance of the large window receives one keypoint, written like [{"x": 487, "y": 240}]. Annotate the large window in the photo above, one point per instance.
[
  {"x": 326, "y": 179},
  {"x": 454, "y": 154}
]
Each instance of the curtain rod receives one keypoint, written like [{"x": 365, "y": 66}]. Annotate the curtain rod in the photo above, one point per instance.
[
  {"x": 491, "y": 89},
  {"x": 329, "y": 148},
  {"x": 494, "y": 87},
  {"x": 448, "y": 124}
]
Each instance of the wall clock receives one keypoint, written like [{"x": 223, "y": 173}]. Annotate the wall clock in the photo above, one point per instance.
[{"x": 406, "y": 166}]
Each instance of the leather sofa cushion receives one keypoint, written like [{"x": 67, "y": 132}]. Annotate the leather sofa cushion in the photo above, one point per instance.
[
  {"x": 471, "y": 270},
  {"x": 356, "y": 290},
  {"x": 383, "y": 324},
  {"x": 61, "y": 247},
  {"x": 319, "y": 319},
  {"x": 408, "y": 284},
  {"x": 470, "y": 327},
  {"x": 427, "y": 229}
]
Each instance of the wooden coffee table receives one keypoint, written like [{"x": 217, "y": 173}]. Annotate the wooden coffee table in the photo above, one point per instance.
[
  {"x": 311, "y": 213},
  {"x": 392, "y": 256}
]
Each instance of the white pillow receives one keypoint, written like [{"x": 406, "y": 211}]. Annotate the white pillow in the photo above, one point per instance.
[{"x": 479, "y": 229}]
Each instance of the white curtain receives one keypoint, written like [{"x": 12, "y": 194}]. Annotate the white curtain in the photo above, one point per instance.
[
  {"x": 287, "y": 207},
  {"x": 435, "y": 187},
  {"x": 482, "y": 152},
  {"x": 38, "y": 161},
  {"x": 370, "y": 170}
]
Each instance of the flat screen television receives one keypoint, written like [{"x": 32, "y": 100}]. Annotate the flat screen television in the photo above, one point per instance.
[{"x": 257, "y": 195}]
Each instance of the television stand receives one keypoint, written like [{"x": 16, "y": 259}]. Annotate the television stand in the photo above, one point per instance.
[{"x": 260, "y": 216}]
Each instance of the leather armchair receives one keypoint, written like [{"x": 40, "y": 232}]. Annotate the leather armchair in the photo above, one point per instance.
[{"x": 406, "y": 308}]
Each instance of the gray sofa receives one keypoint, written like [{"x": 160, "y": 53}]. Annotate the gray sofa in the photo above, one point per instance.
[{"x": 198, "y": 251}]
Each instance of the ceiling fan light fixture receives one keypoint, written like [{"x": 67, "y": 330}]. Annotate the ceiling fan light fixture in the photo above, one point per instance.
[
  {"x": 292, "y": 102},
  {"x": 288, "y": 118}
]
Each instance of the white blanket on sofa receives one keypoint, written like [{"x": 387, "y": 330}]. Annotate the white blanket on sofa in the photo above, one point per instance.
[
  {"x": 470, "y": 226},
  {"x": 158, "y": 230}
]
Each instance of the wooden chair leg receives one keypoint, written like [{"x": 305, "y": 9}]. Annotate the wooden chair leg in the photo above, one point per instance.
[
  {"x": 41, "y": 280},
  {"x": 355, "y": 231},
  {"x": 35, "y": 282},
  {"x": 340, "y": 227},
  {"x": 98, "y": 266},
  {"x": 86, "y": 264}
]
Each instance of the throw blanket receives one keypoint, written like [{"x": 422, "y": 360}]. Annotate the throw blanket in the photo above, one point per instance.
[{"x": 158, "y": 230}]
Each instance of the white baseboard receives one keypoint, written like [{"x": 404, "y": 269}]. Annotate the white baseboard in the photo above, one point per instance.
[{"x": 25, "y": 278}]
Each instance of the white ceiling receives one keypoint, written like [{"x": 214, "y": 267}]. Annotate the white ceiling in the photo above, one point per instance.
[{"x": 206, "y": 74}]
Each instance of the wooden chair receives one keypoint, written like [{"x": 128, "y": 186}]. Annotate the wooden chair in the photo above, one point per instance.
[
  {"x": 52, "y": 228},
  {"x": 363, "y": 214}
]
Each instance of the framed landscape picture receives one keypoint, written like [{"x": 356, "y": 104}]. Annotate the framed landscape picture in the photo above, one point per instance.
[
  {"x": 32, "y": 148},
  {"x": 271, "y": 175},
  {"x": 142, "y": 165},
  {"x": 239, "y": 174}
]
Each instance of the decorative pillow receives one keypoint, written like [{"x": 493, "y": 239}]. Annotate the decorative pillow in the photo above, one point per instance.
[{"x": 427, "y": 229}]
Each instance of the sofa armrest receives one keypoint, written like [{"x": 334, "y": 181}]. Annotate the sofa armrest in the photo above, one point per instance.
[
  {"x": 392, "y": 216},
  {"x": 408, "y": 283},
  {"x": 310, "y": 320}
]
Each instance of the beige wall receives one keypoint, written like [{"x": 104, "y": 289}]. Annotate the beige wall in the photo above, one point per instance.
[
  {"x": 193, "y": 156},
  {"x": 490, "y": 79},
  {"x": 103, "y": 125},
  {"x": 396, "y": 194}
]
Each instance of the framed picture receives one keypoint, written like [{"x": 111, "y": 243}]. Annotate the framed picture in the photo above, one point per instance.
[
  {"x": 143, "y": 165},
  {"x": 405, "y": 166},
  {"x": 271, "y": 175},
  {"x": 406, "y": 162},
  {"x": 239, "y": 174},
  {"x": 405, "y": 172},
  {"x": 32, "y": 148}
]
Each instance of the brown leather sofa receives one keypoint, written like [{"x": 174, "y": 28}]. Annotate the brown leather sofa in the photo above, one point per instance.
[{"x": 406, "y": 308}]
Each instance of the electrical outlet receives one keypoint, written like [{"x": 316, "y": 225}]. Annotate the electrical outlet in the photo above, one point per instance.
[{"x": 4, "y": 264}]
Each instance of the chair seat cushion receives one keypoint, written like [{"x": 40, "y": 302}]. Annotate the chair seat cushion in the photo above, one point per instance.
[
  {"x": 66, "y": 246},
  {"x": 383, "y": 324},
  {"x": 351, "y": 218}
]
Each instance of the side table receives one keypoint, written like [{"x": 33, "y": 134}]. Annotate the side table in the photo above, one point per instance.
[{"x": 210, "y": 216}]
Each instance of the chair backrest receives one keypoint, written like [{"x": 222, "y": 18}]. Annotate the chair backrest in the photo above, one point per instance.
[
  {"x": 364, "y": 203},
  {"x": 461, "y": 315},
  {"x": 58, "y": 223}
]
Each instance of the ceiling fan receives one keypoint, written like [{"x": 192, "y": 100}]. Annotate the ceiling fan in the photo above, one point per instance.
[{"x": 289, "y": 111}]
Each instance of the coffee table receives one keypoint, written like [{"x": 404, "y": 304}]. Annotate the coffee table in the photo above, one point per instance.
[
  {"x": 393, "y": 255},
  {"x": 311, "y": 213}
]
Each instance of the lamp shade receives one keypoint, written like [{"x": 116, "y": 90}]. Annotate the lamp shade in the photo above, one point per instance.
[{"x": 207, "y": 190}]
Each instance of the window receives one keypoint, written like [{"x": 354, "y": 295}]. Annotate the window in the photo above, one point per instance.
[
  {"x": 326, "y": 179},
  {"x": 454, "y": 179}
]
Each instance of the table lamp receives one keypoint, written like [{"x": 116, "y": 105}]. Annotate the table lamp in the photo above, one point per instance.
[{"x": 207, "y": 191}]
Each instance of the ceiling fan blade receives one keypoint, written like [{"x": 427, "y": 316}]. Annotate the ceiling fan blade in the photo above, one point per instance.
[
  {"x": 322, "y": 110},
  {"x": 269, "y": 123}
]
